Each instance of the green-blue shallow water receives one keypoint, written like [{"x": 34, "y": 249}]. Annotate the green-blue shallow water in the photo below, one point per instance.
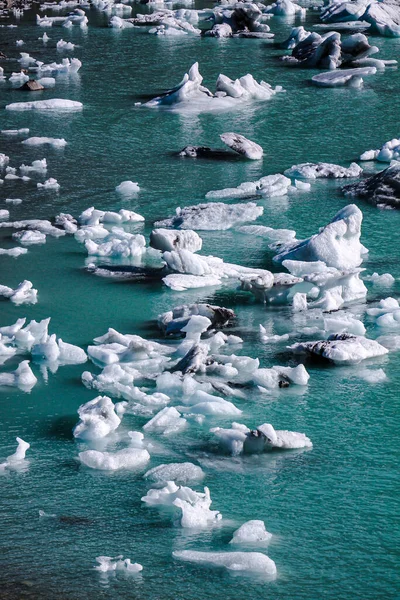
[{"x": 333, "y": 510}]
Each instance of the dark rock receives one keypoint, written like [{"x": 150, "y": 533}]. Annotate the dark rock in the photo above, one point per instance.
[
  {"x": 32, "y": 86},
  {"x": 380, "y": 189}
]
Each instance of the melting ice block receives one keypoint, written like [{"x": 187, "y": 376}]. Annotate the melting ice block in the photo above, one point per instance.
[
  {"x": 251, "y": 532},
  {"x": 167, "y": 240},
  {"x": 118, "y": 563},
  {"x": 97, "y": 419},
  {"x": 342, "y": 77},
  {"x": 212, "y": 216},
  {"x": 337, "y": 244},
  {"x": 18, "y": 457},
  {"x": 128, "y": 458},
  {"x": 341, "y": 348},
  {"x": 22, "y": 377},
  {"x": 194, "y": 506},
  {"x": 182, "y": 473},
  {"x": 329, "y": 170},
  {"x": 233, "y": 561},
  {"x": 56, "y": 104},
  {"x": 242, "y": 145}
]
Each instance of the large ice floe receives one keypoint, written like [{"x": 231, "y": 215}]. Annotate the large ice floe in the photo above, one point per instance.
[
  {"x": 16, "y": 460},
  {"x": 382, "y": 189},
  {"x": 55, "y": 104},
  {"x": 191, "y": 95},
  {"x": 241, "y": 440},
  {"x": 255, "y": 562},
  {"x": 127, "y": 458},
  {"x": 24, "y": 293},
  {"x": 342, "y": 348},
  {"x": 193, "y": 507}
]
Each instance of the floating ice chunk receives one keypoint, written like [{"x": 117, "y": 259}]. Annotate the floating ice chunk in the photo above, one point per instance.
[
  {"x": 56, "y": 104},
  {"x": 337, "y": 244},
  {"x": 265, "y": 338},
  {"x": 242, "y": 145},
  {"x": 285, "y": 8},
  {"x": 385, "y": 305},
  {"x": 212, "y": 216},
  {"x": 70, "y": 354},
  {"x": 46, "y": 350},
  {"x": 190, "y": 94},
  {"x": 381, "y": 189},
  {"x": 391, "y": 342},
  {"x": 167, "y": 421},
  {"x": 299, "y": 302},
  {"x": 14, "y": 252},
  {"x": 128, "y": 458},
  {"x": 14, "y": 460},
  {"x": 372, "y": 375},
  {"x": 4, "y": 214},
  {"x": 269, "y": 288},
  {"x": 182, "y": 473},
  {"x": 119, "y": 23},
  {"x": 47, "y": 82},
  {"x": 128, "y": 189},
  {"x": 39, "y": 141},
  {"x": 349, "y": 77},
  {"x": 180, "y": 283},
  {"x": 49, "y": 184},
  {"x": 13, "y": 200},
  {"x": 314, "y": 170},
  {"x": 37, "y": 166},
  {"x": 66, "y": 221},
  {"x": 24, "y": 293},
  {"x": 118, "y": 563},
  {"x": 19, "y": 42},
  {"x": 233, "y": 561},
  {"x": 194, "y": 506},
  {"x": 341, "y": 348},
  {"x": 251, "y": 532},
  {"x": 174, "y": 321},
  {"x": 37, "y": 224},
  {"x": 297, "y": 35},
  {"x": 184, "y": 261},
  {"x": 22, "y": 377},
  {"x": 281, "y": 376},
  {"x": 19, "y": 78},
  {"x": 388, "y": 152},
  {"x": 216, "y": 408},
  {"x": 267, "y": 187},
  {"x": 167, "y": 240},
  {"x": 4, "y": 160},
  {"x": 14, "y": 132},
  {"x": 285, "y": 440},
  {"x": 11, "y": 330},
  {"x": 62, "y": 45},
  {"x": 29, "y": 238},
  {"x": 341, "y": 323},
  {"x": 97, "y": 419}
]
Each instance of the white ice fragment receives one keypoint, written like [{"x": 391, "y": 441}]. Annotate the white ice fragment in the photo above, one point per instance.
[
  {"x": 97, "y": 419},
  {"x": 128, "y": 458},
  {"x": 49, "y": 184},
  {"x": 118, "y": 563},
  {"x": 212, "y": 216},
  {"x": 18, "y": 457},
  {"x": 384, "y": 280},
  {"x": 29, "y": 237},
  {"x": 233, "y": 561},
  {"x": 314, "y": 170},
  {"x": 24, "y": 293},
  {"x": 39, "y": 141},
  {"x": 129, "y": 189},
  {"x": 167, "y": 421},
  {"x": 251, "y": 532},
  {"x": 182, "y": 473},
  {"x": 169, "y": 240},
  {"x": 342, "y": 348},
  {"x": 56, "y": 104},
  {"x": 242, "y": 145},
  {"x": 22, "y": 377}
]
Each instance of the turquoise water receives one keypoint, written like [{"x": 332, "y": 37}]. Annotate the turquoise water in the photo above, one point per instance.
[{"x": 334, "y": 509}]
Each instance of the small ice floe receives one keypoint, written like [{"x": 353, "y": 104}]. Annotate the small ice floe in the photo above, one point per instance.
[
  {"x": 15, "y": 132},
  {"x": 341, "y": 348},
  {"x": 14, "y": 252},
  {"x": 381, "y": 190},
  {"x": 242, "y": 145},
  {"x": 181, "y": 473},
  {"x": 128, "y": 189},
  {"x": 40, "y": 141},
  {"x": 270, "y": 186},
  {"x": 62, "y": 45},
  {"x": 242, "y": 440},
  {"x": 47, "y": 82},
  {"x": 193, "y": 507},
  {"x": 16, "y": 460},
  {"x": 167, "y": 421},
  {"x": 384, "y": 280},
  {"x": 315, "y": 170},
  {"x": 67, "y": 222},
  {"x": 4, "y": 160},
  {"x": 191, "y": 95},
  {"x": 118, "y": 563},
  {"x": 383, "y": 17},
  {"x": 22, "y": 378},
  {"x": 167, "y": 240},
  {"x": 128, "y": 458},
  {"x": 29, "y": 238},
  {"x": 19, "y": 42},
  {"x": 387, "y": 313},
  {"x": 251, "y": 532},
  {"x": 175, "y": 320},
  {"x": 97, "y": 418},
  {"x": 56, "y": 104},
  {"x": 24, "y": 293},
  {"x": 92, "y": 217},
  {"x": 4, "y": 214},
  {"x": 212, "y": 216},
  {"x": 49, "y": 184},
  {"x": 254, "y": 562},
  {"x": 343, "y": 77},
  {"x": 37, "y": 166},
  {"x": 388, "y": 152},
  {"x": 18, "y": 78},
  {"x": 285, "y": 8}
]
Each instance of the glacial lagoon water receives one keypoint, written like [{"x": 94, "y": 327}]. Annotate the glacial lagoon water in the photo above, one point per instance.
[{"x": 333, "y": 509}]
